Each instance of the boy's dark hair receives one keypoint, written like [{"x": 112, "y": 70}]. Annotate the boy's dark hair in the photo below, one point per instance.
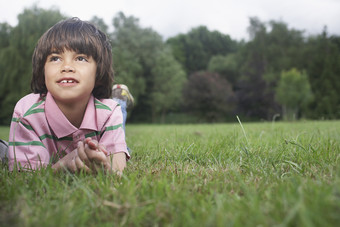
[{"x": 81, "y": 37}]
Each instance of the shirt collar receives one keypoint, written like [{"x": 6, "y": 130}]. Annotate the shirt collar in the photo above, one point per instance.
[
  {"x": 61, "y": 125},
  {"x": 89, "y": 120}
]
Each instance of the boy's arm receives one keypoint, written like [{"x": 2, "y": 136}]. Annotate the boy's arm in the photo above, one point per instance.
[
  {"x": 26, "y": 151},
  {"x": 118, "y": 162}
]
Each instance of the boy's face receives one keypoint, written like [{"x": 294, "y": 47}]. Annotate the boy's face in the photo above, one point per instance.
[{"x": 70, "y": 77}]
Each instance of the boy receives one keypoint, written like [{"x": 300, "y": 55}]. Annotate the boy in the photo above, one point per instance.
[{"x": 69, "y": 121}]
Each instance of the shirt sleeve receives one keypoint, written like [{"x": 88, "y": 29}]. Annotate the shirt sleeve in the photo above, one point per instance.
[
  {"x": 113, "y": 135},
  {"x": 26, "y": 150}
]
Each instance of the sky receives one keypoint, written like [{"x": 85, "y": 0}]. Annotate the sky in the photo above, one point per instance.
[{"x": 172, "y": 17}]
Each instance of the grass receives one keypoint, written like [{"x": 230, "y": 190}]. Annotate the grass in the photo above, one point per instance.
[
  {"x": 4, "y": 131},
  {"x": 260, "y": 174}
]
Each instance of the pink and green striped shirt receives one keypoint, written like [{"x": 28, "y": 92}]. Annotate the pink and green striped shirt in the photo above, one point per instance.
[{"x": 40, "y": 134}]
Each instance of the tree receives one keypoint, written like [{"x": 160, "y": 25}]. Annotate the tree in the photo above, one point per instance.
[
  {"x": 323, "y": 68},
  {"x": 143, "y": 63},
  {"x": 16, "y": 55},
  {"x": 100, "y": 24},
  {"x": 134, "y": 51},
  {"x": 208, "y": 96},
  {"x": 226, "y": 66},
  {"x": 169, "y": 79},
  {"x": 195, "y": 49},
  {"x": 284, "y": 50},
  {"x": 273, "y": 48},
  {"x": 254, "y": 98},
  {"x": 5, "y": 31},
  {"x": 293, "y": 93}
]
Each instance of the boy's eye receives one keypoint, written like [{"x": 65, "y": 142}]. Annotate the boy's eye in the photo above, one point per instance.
[
  {"x": 54, "y": 58},
  {"x": 82, "y": 58}
]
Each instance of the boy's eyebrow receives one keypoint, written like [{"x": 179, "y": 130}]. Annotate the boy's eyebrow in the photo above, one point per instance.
[
  {"x": 54, "y": 52},
  {"x": 77, "y": 52},
  {"x": 80, "y": 52}
]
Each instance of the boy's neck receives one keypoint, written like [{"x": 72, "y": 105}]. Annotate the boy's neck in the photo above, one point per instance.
[{"x": 74, "y": 112}]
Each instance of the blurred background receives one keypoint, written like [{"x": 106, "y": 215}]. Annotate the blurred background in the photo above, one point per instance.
[{"x": 196, "y": 61}]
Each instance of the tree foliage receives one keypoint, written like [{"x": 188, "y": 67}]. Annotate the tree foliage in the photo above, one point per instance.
[
  {"x": 100, "y": 23},
  {"x": 129, "y": 42},
  {"x": 272, "y": 48},
  {"x": 208, "y": 96},
  {"x": 169, "y": 79},
  {"x": 323, "y": 69},
  {"x": 143, "y": 62},
  {"x": 17, "y": 45},
  {"x": 293, "y": 93},
  {"x": 226, "y": 66},
  {"x": 195, "y": 49}
]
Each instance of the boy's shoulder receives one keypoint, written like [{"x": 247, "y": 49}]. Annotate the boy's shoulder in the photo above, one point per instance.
[
  {"x": 29, "y": 101},
  {"x": 105, "y": 104}
]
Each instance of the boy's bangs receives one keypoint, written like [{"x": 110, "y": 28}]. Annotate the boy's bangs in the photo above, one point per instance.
[{"x": 79, "y": 41}]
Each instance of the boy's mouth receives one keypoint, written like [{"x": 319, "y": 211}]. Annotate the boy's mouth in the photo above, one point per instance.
[{"x": 67, "y": 81}]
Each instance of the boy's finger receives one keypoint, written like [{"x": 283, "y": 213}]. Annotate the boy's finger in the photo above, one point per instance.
[
  {"x": 102, "y": 148},
  {"x": 81, "y": 153},
  {"x": 95, "y": 156},
  {"x": 103, "y": 166},
  {"x": 88, "y": 139},
  {"x": 81, "y": 165},
  {"x": 72, "y": 166},
  {"x": 93, "y": 144}
]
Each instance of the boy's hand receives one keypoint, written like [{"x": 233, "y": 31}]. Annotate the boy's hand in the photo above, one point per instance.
[
  {"x": 96, "y": 155},
  {"x": 90, "y": 156},
  {"x": 113, "y": 163},
  {"x": 73, "y": 161}
]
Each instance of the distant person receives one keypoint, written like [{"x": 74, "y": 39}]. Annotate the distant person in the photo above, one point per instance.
[
  {"x": 122, "y": 95},
  {"x": 70, "y": 120}
]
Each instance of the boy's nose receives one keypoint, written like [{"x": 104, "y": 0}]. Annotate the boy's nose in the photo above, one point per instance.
[{"x": 67, "y": 67}]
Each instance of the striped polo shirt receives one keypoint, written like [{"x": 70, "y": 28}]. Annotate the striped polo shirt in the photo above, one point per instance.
[{"x": 40, "y": 134}]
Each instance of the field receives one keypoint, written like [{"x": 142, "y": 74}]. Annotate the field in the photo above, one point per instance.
[{"x": 250, "y": 174}]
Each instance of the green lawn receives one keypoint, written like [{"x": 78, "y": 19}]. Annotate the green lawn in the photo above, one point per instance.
[
  {"x": 4, "y": 131},
  {"x": 269, "y": 174}
]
